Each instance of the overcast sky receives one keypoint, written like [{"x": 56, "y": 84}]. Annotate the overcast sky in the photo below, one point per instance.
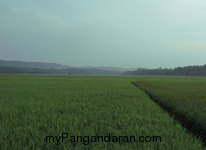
[{"x": 132, "y": 33}]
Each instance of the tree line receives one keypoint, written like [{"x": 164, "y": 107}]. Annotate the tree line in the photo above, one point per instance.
[{"x": 178, "y": 71}]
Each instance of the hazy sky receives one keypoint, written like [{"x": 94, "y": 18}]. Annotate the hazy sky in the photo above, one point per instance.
[{"x": 121, "y": 33}]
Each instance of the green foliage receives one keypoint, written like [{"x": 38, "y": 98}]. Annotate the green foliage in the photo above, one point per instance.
[
  {"x": 32, "y": 107},
  {"x": 184, "y": 96},
  {"x": 179, "y": 71}
]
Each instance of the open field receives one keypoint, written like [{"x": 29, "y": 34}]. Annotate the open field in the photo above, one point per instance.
[
  {"x": 185, "y": 97},
  {"x": 33, "y": 107}
]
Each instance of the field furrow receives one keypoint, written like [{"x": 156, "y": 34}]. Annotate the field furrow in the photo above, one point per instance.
[{"x": 183, "y": 97}]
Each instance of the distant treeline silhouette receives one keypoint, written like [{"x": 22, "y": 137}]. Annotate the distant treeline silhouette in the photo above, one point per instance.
[
  {"x": 179, "y": 71},
  {"x": 68, "y": 71}
]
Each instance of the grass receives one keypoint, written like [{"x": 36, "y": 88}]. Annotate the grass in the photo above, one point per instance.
[
  {"x": 32, "y": 107},
  {"x": 185, "y": 97}
]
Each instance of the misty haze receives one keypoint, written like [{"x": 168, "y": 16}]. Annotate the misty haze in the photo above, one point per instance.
[{"x": 102, "y": 75}]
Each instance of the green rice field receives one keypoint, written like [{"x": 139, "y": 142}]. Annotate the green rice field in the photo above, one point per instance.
[{"x": 33, "y": 108}]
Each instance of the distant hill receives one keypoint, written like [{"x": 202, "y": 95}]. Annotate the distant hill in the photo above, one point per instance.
[
  {"x": 71, "y": 71},
  {"x": 40, "y": 65},
  {"x": 179, "y": 71},
  {"x": 22, "y": 67},
  {"x": 118, "y": 69}
]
